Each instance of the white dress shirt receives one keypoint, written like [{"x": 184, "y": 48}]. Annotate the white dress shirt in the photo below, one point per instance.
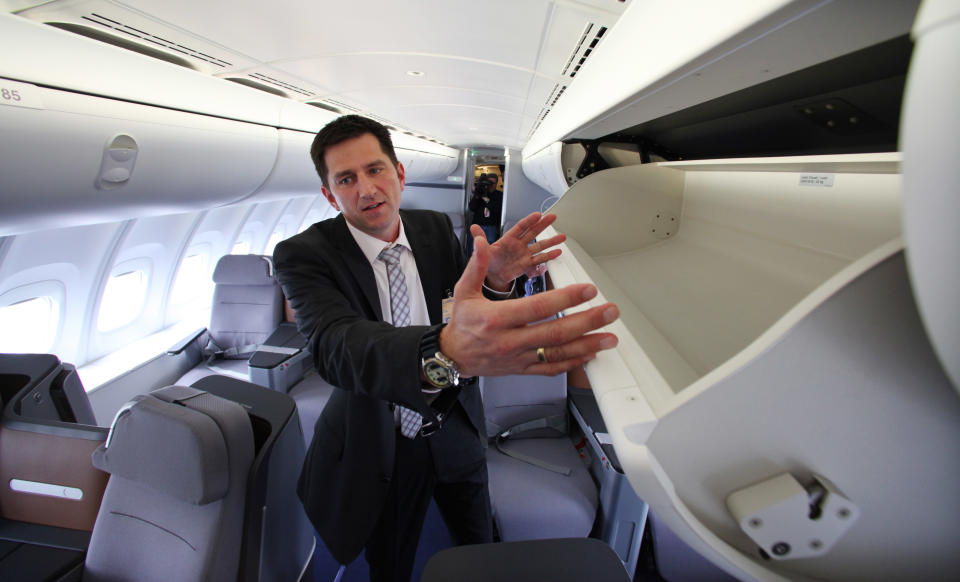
[{"x": 371, "y": 247}]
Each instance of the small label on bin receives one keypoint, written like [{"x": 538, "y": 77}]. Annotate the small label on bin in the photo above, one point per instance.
[{"x": 817, "y": 180}]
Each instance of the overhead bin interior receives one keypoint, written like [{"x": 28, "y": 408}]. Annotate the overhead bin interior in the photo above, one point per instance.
[{"x": 768, "y": 327}]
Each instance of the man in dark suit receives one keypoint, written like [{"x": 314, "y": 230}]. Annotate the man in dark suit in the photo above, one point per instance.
[{"x": 367, "y": 479}]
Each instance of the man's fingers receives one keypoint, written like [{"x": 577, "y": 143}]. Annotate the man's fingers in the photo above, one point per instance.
[
  {"x": 568, "y": 337},
  {"x": 471, "y": 281},
  {"x": 554, "y": 368},
  {"x": 539, "y": 225},
  {"x": 523, "y": 225},
  {"x": 544, "y": 257},
  {"x": 546, "y": 243},
  {"x": 519, "y": 312},
  {"x": 586, "y": 346}
]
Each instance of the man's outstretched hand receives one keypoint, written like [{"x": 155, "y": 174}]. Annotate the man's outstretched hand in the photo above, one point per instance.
[
  {"x": 515, "y": 253},
  {"x": 497, "y": 338}
]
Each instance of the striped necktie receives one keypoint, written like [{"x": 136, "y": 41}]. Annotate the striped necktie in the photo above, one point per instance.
[{"x": 410, "y": 420}]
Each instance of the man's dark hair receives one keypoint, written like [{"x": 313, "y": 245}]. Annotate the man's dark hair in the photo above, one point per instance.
[{"x": 348, "y": 127}]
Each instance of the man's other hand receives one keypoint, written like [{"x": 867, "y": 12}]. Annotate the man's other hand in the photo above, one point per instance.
[
  {"x": 498, "y": 338},
  {"x": 515, "y": 253}
]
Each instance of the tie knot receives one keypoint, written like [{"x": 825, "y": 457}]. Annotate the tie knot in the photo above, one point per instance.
[{"x": 391, "y": 255}]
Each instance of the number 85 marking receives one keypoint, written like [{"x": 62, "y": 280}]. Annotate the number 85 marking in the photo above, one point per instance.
[{"x": 10, "y": 94}]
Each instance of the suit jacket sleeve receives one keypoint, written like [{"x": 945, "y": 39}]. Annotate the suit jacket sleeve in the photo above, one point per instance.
[{"x": 324, "y": 276}]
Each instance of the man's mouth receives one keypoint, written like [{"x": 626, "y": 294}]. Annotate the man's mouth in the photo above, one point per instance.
[{"x": 373, "y": 206}]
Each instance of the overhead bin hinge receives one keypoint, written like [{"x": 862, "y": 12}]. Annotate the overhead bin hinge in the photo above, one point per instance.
[
  {"x": 119, "y": 158},
  {"x": 790, "y": 521},
  {"x": 592, "y": 161}
]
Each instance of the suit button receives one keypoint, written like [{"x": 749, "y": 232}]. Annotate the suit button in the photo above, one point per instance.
[{"x": 385, "y": 478}]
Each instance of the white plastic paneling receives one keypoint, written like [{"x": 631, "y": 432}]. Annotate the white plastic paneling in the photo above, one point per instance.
[
  {"x": 52, "y": 152},
  {"x": 931, "y": 206},
  {"x": 48, "y": 56},
  {"x": 154, "y": 243},
  {"x": 423, "y": 166},
  {"x": 71, "y": 259},
  {"x": 293, "y": 173},
  {"x": 544, "y": 169}
]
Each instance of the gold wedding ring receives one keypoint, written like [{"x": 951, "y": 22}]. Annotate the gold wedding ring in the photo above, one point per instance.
[{"x": 542, "y": 355}]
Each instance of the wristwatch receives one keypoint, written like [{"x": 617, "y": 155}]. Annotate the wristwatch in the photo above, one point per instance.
[{"x": 439, "y": 370}]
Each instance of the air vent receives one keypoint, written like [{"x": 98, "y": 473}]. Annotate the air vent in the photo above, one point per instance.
[
  {"x": 552, "y": 99},
  {"x": 281, "y": 84},
  {"x": 341, "y": 105},
  {"x": 325, "y": 107},
  {"x": 255, "y": 85},
  {"x": 122, "y": 43},
  {"x": 116, "y": 26},
  {"x": 589, "y": 40}
]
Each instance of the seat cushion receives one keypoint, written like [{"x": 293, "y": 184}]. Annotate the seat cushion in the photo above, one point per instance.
[{"x": 530, "y": 502}]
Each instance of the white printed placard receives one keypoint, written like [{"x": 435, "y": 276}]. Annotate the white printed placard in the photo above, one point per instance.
[
  {"x": 20, "y": 94},
  {"x": 817, "y": 180}
]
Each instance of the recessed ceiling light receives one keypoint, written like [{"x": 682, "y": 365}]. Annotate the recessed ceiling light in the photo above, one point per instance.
[
  {"x": 472, "y": 129},
  {"x": 415, "y": 73}
]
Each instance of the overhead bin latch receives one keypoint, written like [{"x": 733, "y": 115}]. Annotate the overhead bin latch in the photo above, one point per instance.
[
  {"x": 116, "y": 167},
  {"x": 790, "y": 521}
]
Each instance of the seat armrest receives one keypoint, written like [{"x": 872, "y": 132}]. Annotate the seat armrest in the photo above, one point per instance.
[
  {"x": 183, "y": 344},
  {"x": 283, "y": 344},
  {"x": 282, "y": 360}
]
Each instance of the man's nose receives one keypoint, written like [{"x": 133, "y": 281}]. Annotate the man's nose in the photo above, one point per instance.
[{"x": 365, "y": 185}]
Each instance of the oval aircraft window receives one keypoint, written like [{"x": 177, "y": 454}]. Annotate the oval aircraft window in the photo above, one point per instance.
[
  {"x": 29, "y": 326},
  {"x": 276, "y": 237},
  {"x": 122, "y": 300},
  {"x": 193, "y": 280},
  {"x": 241, "y": 247}
]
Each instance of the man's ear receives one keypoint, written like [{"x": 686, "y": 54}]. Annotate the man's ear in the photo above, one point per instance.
[
  {"x": 401, "y": 174},
  {"x": 329, "y": 196}
]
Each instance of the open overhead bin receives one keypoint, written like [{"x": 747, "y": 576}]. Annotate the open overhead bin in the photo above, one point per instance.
[{"x": 774, "y": 396}]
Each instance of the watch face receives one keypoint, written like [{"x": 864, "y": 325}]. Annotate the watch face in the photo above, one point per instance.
[{"x": 437, "y": 374}]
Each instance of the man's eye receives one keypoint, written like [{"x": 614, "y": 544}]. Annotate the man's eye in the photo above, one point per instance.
[
  {"x": 375, "y": 171},
  {"x": 344, "y": 181}
]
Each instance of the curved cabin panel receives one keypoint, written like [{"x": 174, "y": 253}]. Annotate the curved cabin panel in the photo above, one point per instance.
[{"x": 76, "y": 159}]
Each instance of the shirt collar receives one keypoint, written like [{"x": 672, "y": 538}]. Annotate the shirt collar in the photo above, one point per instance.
[{"x": 371, "y": 245}]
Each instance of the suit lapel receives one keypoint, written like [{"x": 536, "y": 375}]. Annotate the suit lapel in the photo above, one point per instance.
[
  {"x": 429, "y": 262},
  {"x": 357, "y": 263}
]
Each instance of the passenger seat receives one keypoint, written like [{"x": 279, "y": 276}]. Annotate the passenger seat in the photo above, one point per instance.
[
  {"x": 539, "y": 487},
  {"x": 247, "y": 308},
  {"x": 179, "y": 460}
]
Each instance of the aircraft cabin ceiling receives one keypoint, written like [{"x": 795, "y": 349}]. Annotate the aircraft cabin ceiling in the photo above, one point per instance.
[{"x": 461, "y": 72}]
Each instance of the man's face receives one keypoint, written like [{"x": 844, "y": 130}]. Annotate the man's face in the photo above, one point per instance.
[{"x": 365, "y": 186}]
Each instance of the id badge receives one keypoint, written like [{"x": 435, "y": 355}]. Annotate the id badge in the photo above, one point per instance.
[{"x": 446, "y": 309}]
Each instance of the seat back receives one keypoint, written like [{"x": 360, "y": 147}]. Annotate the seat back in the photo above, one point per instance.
[
  {"x": 179, "y": 460},
  {"x": 247, "y": 303},
  {"x": 541, "y": 397}
]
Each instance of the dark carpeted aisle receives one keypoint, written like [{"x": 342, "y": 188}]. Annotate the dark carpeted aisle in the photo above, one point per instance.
[{"x": 434, "y": 538}]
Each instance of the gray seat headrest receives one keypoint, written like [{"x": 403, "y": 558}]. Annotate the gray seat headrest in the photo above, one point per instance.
[
  {"x": 243, "y": 270},
  {"x": 168, "y": 447}
]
